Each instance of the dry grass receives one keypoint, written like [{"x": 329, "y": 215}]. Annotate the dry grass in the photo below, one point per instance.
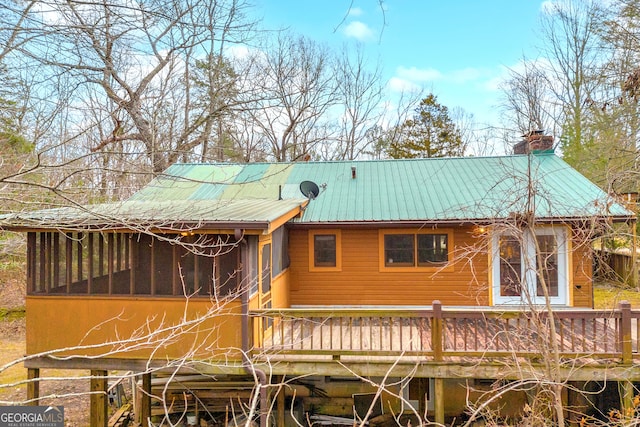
[
  {"x": 606, "y": 296},
  {"x": 13, "y": 347},
  {"x": 12, "y": 343}
]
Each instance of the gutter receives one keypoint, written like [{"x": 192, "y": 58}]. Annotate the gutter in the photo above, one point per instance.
[
  {"x": 432, "y": 223},
  {"x": 248, "y": 366}
]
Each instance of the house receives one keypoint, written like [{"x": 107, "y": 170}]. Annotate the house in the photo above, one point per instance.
[{"x": 318, "y": 279}]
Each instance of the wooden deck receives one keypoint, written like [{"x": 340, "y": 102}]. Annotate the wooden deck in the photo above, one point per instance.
[{"x": 440, "y": 333}]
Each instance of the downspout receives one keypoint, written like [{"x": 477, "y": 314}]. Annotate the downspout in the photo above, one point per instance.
[
  {"x": 634, "y": 255},
  {"x": 247, "y": 365}
]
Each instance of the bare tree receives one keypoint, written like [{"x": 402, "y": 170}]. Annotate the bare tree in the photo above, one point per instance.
[
  {"x": 298, "y": 90},
  {"x": 135, "y": 55},
  {"x": 360, "y": 93},
  {"x": 570, "y": 31},
  {"x": 526, "y": 99}
]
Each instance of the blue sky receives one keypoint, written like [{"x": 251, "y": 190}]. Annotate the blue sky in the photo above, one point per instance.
[{"x": 458, "y": 49}]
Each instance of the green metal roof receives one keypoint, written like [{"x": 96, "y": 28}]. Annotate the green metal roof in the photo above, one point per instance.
[
  {"x": 464, "y": 189},
  {"x": 442, "y": 189},
  {"x": 164, "y": 214}
]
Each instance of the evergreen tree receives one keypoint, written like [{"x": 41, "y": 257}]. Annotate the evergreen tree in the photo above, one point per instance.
[{"x": 430, "y": 133}]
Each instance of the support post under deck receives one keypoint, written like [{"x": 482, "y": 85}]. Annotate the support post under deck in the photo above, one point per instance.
[
  {"x": 439, "y": 400},
  {"x": 145, "y": 400},
  {"x": 33, "y": 386},
  {"x": 98, "y": 399},
  {"x": 280, "y": 403},
  {"x": 627, "y": 393}
]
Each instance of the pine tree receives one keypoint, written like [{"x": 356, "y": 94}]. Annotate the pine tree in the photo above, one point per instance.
[{"x": 430, "y": 133}]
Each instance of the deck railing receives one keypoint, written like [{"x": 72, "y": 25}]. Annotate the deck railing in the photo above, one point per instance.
[{"x": 439, "y": 332}]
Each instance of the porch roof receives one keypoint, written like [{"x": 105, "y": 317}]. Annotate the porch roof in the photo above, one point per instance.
[{"x": 164, "y": 215}]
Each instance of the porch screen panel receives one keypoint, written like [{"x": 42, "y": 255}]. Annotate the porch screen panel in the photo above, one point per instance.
[
  {"x": 205, "y": 273},
  {"x": 510, "y": 267},
  {"x": 121, "y": 269},
  {"x": 143, "y": 247},
  {"x": 31, "y": 262},
  {"x": 163, "y": 266},
  {"x": 38, "y": 274},
  {"x": 83, "y": 258},
  {"x": 280, "y": 256},
  {"x": 227, "y": 270},
  {"x": 250, "y": 264},
  {"x": 547, "y": 264},
  {"x": 266, "y": 268},
  {"x": 186, "y": 266},
  {"x": 59, "y": 263}
]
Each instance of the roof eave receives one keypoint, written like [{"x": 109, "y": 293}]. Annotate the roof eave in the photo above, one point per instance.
[
  {"x": 454, "y": 222},
  {"x": 173, "y": 226}
]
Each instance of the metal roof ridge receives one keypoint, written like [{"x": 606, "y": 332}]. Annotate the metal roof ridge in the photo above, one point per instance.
[{"x": 417, "y": 159}]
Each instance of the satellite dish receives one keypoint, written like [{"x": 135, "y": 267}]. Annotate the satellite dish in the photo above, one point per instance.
[{"x": 309, "y": 189}]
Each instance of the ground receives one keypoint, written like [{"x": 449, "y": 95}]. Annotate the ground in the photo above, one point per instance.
[
  {"x": 12, "y": 343},
  {"x": 606, "y": 295},
  {"x": 76, "y": 402}
]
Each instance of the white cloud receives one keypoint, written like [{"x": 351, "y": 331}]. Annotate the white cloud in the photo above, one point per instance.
[
  {"x": 358, "y": 30},
  {"x": 484, "y": 80},
  {"x": 468, "y": 75},
  {"x": 355, "y": 11},
  {"x": 503, "y": 73},
  {"x": 400, "y": 85},
  {"x": 494, "y": 83},
  {"x": 548, "y": 7},
  {"x": 418, "y": 75},
  {"x": 462, "y": 76},
  {"x": 238, "y": 51}
]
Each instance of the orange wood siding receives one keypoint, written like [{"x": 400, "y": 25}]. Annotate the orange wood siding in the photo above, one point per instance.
[
  {"x": 280, "y": 290},
  {"x": 582, "y": 272},
  {"x": 62, "y": 322},
  {"x": 361, "y": 282}
]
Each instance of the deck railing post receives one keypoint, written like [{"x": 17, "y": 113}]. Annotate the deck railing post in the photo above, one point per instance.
[
  {"x": 625, "y": 332},
  {"x": 436, "y": 331}
]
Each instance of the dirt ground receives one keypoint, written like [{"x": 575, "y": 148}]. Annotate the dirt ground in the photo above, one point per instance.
[
  {"x": 70, "y": 392},
  {"x": 66, "y": 390}
]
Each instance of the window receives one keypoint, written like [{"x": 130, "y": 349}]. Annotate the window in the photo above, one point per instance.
[
  {"x": 279, "y": 251},
  {"x": 325, "y": 253},
  {"x": 399, "y": 250},
  {"x": 411, "y": 249},
  {"x": 266, "y": 268},
  {"x": 530, "y": 265}
]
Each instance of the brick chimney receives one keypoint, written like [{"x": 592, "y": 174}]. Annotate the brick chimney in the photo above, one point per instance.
[{"x": 534, "y": 141}]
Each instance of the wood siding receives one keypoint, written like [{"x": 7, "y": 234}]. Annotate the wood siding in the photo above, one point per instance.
[
  {"x": 280, "y": 290},
  {"x": 581, "y": 270},
  {"x": 62, "y": 322},
  {"x": 360, "y": 282}
]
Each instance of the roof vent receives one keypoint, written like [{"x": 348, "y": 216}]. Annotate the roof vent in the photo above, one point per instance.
[{"x": 309, "y": 189}]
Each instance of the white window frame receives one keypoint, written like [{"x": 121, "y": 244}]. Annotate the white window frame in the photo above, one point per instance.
[{"x": 529, "y": 267}]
